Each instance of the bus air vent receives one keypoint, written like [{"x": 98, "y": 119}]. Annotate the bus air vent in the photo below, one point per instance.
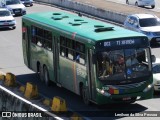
[
  {"x": 57, "y": 18},
  {"x": 56, "y": 13},
  {"x": 98, "y": 26},
  {"x": 78, "y": 20},
  {"x": 84, "y": 22},
  {"x": 74, "y": 23},
  {"x": 65, "y": 16},
  {"x": 102, "y": 29}
]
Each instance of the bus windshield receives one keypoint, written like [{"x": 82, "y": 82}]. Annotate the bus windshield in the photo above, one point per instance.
[{"x": 123, "y": 64}]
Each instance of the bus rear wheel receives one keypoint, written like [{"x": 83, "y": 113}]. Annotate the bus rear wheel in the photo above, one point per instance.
[
  {"x": 85, "y": 95},
  {"x": 46, "y": 76},
  {"x": 39, "y": 72}
]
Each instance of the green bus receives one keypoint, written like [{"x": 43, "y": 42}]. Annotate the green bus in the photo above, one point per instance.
[{"x": 103, "y": 63}]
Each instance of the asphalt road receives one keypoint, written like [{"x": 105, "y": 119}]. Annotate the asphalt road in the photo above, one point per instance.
[{"x": 11, "y": 60}]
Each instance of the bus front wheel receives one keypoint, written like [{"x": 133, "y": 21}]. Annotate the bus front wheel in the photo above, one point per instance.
[
  {"x": 46, "y": 76},
  {"x": 85, "y": 96}
]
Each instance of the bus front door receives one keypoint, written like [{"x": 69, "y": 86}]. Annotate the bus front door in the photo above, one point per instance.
[{"x": 91, "y": 75}]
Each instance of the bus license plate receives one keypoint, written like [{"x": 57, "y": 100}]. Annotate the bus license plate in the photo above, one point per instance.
[{"x": 126, "y": 98}]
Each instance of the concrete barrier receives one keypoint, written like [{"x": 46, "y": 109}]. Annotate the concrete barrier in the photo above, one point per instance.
[{"x": 88, "y": 9}]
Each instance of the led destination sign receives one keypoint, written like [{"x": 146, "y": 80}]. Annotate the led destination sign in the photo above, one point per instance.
[
  {"x": 123, "y": 42},
  {"x": 119, "y": 43}
]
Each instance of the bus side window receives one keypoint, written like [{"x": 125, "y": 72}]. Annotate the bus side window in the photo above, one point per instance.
[
  {"x": 48, "y": 45},
  {"x": 39, "y": 41},
  {"x": 33, "y": 33},
  {"x": 62, "y": 51},
  {"x": 69, "y": 50},
  {"x": 77, "y": 57},
  {"x": 72, "y": 50},
  {"x": 80, "y": 50},
  {"x": 63, "y": 46},
  {"x": 82, "y": 59},
  {"x": 47, "y": 40},
  {"x": 70, "y": 54}
]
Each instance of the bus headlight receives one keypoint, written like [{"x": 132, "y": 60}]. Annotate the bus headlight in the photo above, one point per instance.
[
  {"x": 148, "y": 88},
  {"x": 101, "y": 91}
]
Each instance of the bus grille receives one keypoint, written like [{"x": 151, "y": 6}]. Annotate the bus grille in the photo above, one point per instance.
[{"x": 127, "y": 86}]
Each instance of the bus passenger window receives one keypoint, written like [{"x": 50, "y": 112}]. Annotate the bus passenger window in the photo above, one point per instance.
[
  {"x": 47, "y": 35},
  {"x": 62, "y": 51},
  {"x": 82, "y": 59},
  {"x": 48, "y": 45},
  {"x": 39, "y": 42},
  {"x": 77, "y": 57},
  {"x": 34, "y": 39},
  {"x": 70, "y": 43},
  {"x": 39, "y": 32},
  {"x": 62, "y": 41},
  {"x": 80, "y": 47},
  {"x": 70, "y": 54}
]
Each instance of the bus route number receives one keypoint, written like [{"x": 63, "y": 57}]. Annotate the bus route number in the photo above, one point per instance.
[{"x": 106, "y": 44}]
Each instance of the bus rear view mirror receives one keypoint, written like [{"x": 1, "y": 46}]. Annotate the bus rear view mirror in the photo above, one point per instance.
[{"x": 153, "y": 58}]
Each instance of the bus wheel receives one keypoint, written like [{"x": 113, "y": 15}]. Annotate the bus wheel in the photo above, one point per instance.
[
  {"x": 46, "y": 76},
  {"x": 39, "y": 72},
  {"x": 85, "y": 95}
]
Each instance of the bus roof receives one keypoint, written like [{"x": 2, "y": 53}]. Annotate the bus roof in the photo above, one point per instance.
[{"x": 82, "y": 26}]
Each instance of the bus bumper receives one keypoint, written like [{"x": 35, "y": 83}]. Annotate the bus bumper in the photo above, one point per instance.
[{"x": 127, "y": 98}]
